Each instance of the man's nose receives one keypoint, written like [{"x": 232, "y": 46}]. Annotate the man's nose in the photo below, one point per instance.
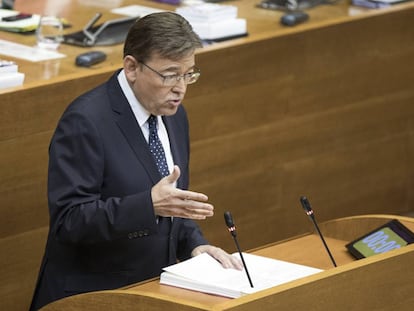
[{"x": 180, "y": 86}]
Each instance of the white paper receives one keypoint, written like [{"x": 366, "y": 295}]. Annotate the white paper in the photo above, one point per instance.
[
  {"x": 8, "y": 67},
  {"x": 221, "y": 29},
  {"x": 33, "y": 54},
  {"x": 135, "y": 10},
  {"x": 208, "y": 12},
  {"x": 203, "y": 273},
  {"x": 11, "y": 79}
]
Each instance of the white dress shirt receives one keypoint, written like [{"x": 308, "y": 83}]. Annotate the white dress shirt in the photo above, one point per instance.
[{"x": 142, "y": 115}]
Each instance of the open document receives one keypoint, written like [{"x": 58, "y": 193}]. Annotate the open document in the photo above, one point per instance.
[{"x": 205, "y": 274}]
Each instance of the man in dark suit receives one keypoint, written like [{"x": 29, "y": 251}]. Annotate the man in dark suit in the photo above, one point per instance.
[{"x": 114, "y": 218}]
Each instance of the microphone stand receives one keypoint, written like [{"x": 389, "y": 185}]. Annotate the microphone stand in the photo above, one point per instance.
[
  {"x": 232, "y": 230},
  {"x": 309, "y": 212}
]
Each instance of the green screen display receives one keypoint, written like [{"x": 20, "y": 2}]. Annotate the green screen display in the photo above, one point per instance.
[{"x": 379, "y": 242}]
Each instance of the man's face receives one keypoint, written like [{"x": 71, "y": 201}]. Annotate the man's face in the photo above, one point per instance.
[{"x": 149, "y": 87}]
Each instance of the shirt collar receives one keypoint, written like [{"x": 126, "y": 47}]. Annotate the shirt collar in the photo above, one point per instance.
[{"x": 141, "y": 114}]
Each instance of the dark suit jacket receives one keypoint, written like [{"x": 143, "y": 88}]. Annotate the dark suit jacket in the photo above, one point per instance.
[{"x": 103, "y": 233}]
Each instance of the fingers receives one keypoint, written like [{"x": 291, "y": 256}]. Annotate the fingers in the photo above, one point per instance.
[
  {"x": 169, "y": 201},
  {"x": 183, "y": 194},
  {"x": 195, "y": 205},
  {"x": 188, "y": 195},
  {"x": 226, "y": 260},
  {"x": 185, "y": 209}
]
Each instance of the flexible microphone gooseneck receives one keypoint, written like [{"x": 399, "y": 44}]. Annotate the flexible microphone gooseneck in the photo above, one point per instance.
[
  {"x": 308, "y": 209},
  {"x": 232, "y": 229}
]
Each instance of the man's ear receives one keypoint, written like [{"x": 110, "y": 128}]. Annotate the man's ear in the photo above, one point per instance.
[{"x": 130, "y": 68}]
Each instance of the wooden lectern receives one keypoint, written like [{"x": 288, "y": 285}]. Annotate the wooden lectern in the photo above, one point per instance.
[{"x": 380, "y": 282}]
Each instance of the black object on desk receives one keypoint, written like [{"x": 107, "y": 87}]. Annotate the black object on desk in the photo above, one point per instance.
[
  {"x": 109, "y": 33},
  {"x": 90, "y": 58},
  {"x": 16, "y": 17},
  {"x": 292, "y": 5},
  {"x": 294, "y": 18}
]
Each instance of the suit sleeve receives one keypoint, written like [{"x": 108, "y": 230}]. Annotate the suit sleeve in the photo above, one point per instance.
[
  {"x": 78, "y": 212},
  {"x": 190, "y": 237}
]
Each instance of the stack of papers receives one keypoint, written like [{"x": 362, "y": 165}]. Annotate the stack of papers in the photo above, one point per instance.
[
  {"x": 24, "y": 25},
  {"x": 213, "y": 21},
  {"x": 135, "y": 10},
  {"x": 205, "y": 274},
  {"x": 9, "y": 74}
]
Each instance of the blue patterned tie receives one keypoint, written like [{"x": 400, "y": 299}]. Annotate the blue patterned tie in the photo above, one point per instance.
[
  {"x": 159, "y": 156},
  {"x": 156, "y": 147}
]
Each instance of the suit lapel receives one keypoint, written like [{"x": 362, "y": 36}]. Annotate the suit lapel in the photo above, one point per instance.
[{"x": 125, "y": 119}]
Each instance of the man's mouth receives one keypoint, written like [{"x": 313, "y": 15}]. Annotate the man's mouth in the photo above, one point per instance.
[{"x": 175, "y": 102}]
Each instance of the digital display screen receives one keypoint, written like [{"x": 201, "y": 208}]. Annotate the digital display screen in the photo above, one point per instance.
[{"x": 390, "y": 236}]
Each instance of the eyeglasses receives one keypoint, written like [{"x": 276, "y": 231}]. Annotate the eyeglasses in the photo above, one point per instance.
[{"x": 171, "y": 80}]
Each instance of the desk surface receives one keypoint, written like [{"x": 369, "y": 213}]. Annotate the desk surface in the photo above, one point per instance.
[
  {"x": 307, "y": 250},
  {"x": 304, "y": 250},
  {"x": 261, "y": 24}
]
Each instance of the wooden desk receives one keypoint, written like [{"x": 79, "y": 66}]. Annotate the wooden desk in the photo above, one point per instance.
[
  {"x": 381, "y": 282},
  {"x": 262, "y": 24},
  {"x": 323, "y": 109}
]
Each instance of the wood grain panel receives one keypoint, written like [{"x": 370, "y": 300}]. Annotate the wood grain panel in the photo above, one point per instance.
[
  {"x": 260, "y": 175},
  {"x": 308, "y": 114},
  {"x": 323, "y": 109},
  {"x": 20, "y": 263},
  {"x": 26, "y": 127}
]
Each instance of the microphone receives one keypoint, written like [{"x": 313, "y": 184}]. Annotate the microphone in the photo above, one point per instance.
[
  {"x": 232, "y": 229},
  {"x": 308, "y": 209},
  {"x": 230, "y": 224}
]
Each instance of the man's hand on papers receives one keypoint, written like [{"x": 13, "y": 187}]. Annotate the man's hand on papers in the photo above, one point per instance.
[{"x": 227, "y": 261}]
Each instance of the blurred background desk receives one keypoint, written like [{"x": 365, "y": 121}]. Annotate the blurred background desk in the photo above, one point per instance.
[{"x": 324, "y": 109}]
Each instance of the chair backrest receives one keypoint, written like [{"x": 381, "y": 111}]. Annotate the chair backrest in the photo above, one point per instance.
[{"x": 20, "y": 259}]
